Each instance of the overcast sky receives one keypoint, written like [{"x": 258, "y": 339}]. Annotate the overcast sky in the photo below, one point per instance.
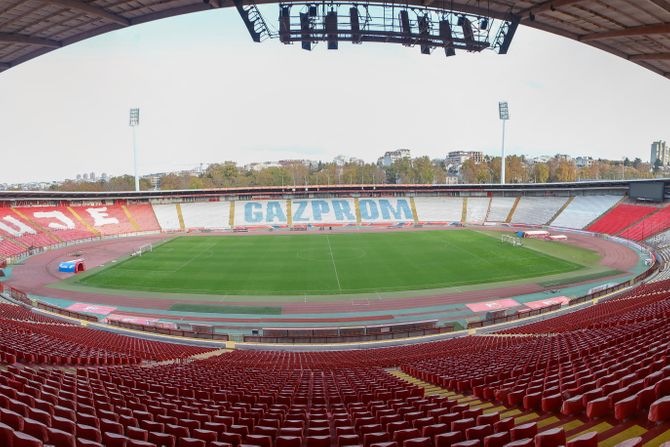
[{"x": 207, "y": 93}]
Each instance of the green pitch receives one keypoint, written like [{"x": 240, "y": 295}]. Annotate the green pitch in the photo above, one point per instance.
[{"x": 316, "y": 264}]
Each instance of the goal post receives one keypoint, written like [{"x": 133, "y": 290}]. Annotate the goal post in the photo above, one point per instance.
[
  {"x": 512, "y": 240},
  {"x": 147, "y": 248}
]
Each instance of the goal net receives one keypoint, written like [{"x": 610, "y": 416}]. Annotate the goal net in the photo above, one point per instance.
[
  {"x": 143, "y": 249},
  {"x": 512, "y": 240}
]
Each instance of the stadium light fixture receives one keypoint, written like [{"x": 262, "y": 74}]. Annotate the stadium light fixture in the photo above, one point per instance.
[
  {"x": 133, "y": 123},
  {"x": 503, "y": 111}
]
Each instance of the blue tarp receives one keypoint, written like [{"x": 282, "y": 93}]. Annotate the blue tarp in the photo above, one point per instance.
[{"x": 71, "y": 266}]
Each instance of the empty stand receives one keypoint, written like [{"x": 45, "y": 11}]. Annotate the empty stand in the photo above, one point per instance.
[
  {"x": 9, "y": 248},
  {"x": 608, "y": 362},
  {"x": 477, "y": 208},
  {"x": 620, "y": 217},
  {"x": 30, "y": 338},
  {"x": 583, "y": 210},
  {"x": 537, "y": 210},
  {"x": 21, "y": 230},
  {"x": 167, "y": 217},
  {"x": 59, "y": 221},
  {"x": 439, "y": 209},
  {"x": 209, "y": 215},
  {"x": 659, "y": 240},
  {"x": 500, "y": 208},
  {"x": 654, "y": 223},
  {"x": 143, "y": 216}
]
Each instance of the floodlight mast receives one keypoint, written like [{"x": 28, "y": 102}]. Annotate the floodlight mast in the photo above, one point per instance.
[
  {"x": 135, "y": 122},
  {"x": 503, "y": 111}
]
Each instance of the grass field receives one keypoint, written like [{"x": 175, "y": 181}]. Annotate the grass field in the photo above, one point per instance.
[{"x": 333, "y": 263}]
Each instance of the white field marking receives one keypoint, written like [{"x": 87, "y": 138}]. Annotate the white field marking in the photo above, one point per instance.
[{"x": 333, "y": 260}]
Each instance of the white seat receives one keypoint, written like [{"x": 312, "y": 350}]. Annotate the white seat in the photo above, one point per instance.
[
  {"x": 439, "y": 209},
  {"x": 537, "y": 210},
  {"x": 209, "y": 215},
  {"x": 167, "y": 217},
  {"x": 477, "y": 208},
  {"x": 583, "y": 210},
  {"x": 500, "y": 208}
]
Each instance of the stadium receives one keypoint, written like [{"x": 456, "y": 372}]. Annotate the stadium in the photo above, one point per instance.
[{"x": 380, "y": 315}]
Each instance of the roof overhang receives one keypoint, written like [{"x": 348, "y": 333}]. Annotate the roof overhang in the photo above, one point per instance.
[{"x": 636, "y": 30}]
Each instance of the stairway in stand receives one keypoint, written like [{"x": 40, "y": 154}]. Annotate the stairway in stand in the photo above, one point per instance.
[{"x": 609, "y": 432}]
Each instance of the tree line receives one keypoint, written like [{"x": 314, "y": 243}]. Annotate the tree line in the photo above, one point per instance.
[{"x": 420, "y": 170}]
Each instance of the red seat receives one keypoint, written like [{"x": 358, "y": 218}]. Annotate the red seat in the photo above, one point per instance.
[
  {"x": 401, "y": 435},
  {"x": 288, "y": 441},
  {"x": 139, "y": 443},
  {"x": 625, "y": 408},
  {"x": 234, "y": 439},
  {"x": 551, "y": 403},
  {"x": 462, "y": 424},
  {"x": 503, "y": 425},
  {"x": 532, "y": 401},
  {"x": 472, "y": 413},
  {"x": 318, "y": 431},
  {"x": 88, "y": 432},
  {"x": 523, "y": 431},
  {"x": 344, "y": 440},
  {"x": 162, "y": 439},
  {"x": 111, "y": 427},
  {"x": 25, "y": 440},
  {"x": 58, "y": 438},
  {"x": 478, "y": 432},
  {"x": 659, "y": 411},
  {"x": 589, "y": 439},
  {"x": 448, "y": 439},
  {"x": 526, "y": 442},
  {"x": 191, "y": 442},
  {"x": 662, "y": 387},
  {"x": 241, "y": 430},
  {"x": 470, "y": 443},
  {"x": 434, "y": 429},
  {"x": 393, "y": 427},
  {"x": 645, "y": 397},
  {"x": 448, "y": 418},
  {"x": 496, "y": 439},
  {"x": 554, "y": 437},
  {"x": 375, "y": 438},
  {"x": 418, "y": 442},
  {"x": 137, "y": 433},
  {"x": 490, "y": 418},
  {"x": 422, "y": 422},
  {"x": 35, "y": 429},
  {"x": 293, "y": 431},
  {"x": 317, "y": 441},
  {"x": 599, "y": 407},
  {"x": 114, "y": 440},
  {"x": 572, "y": 406},
  {"x": 81, "y": 442},
  {"x": 259, "y": 440},
  {"x": 260, "y": 430}
]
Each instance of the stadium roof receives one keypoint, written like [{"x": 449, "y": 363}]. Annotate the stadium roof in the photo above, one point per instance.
[{"x": 637, "y": 30}]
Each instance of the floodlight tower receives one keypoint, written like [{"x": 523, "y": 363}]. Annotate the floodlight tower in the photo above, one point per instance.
[
  {"x": 503, "y": 111},
  {"x": 134, "y": 122}
]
